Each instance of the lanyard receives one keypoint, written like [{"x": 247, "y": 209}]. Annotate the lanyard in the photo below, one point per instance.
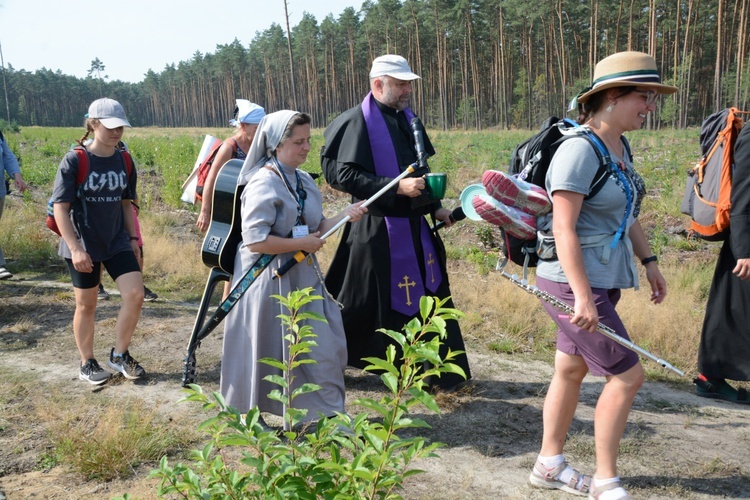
[{"x": 300, "y": 195}]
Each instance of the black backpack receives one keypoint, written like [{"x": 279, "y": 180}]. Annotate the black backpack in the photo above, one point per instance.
[{"x": 530, "y": 161}]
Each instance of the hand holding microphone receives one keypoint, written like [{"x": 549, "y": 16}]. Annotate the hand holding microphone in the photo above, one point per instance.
[{"x": 455, "y": 216}]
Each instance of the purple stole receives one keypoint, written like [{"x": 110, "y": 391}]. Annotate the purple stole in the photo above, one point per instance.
[{"x": 407, "y": 286}]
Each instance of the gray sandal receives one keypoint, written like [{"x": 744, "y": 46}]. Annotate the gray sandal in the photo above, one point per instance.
[
  {"x": 596, "y": 492},
  {"x": 542, "y": 478}
]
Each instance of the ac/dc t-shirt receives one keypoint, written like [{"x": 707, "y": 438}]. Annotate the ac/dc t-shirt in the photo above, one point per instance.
[{"x": 97, "y": 214}]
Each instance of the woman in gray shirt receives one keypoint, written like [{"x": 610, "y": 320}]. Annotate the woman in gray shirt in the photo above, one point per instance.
[{"x": 596, "y": 239}]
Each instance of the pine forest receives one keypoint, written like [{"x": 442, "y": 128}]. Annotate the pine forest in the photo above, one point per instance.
[{"x": 484, "y": 64}]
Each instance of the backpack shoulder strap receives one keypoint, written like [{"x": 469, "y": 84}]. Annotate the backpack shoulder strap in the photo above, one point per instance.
[
  {"x": 626, "y": 145},
  {"x": 128, "y": 162},
  {"x": 83, "y": 164},
  {"x": 235, "y": 146},
  {"x": 212, "y": 154},
  {"x": 602, "y": 173}
]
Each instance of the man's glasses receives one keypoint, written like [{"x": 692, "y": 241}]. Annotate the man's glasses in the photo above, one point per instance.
[{"x": 650, "y": 95}]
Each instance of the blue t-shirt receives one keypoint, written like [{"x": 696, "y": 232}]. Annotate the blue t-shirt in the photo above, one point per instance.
[{"x": 98, "y": 221}]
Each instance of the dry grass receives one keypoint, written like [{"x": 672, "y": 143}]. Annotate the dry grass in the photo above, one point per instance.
[
  {"x": 108, "y": 442},
  {"x": 96, "y": 437}
]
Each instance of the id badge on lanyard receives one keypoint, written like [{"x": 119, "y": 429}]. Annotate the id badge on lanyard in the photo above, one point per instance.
[{"x": 300, "y": 231}]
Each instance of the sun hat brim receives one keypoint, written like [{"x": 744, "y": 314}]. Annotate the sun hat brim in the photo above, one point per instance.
[
  {"x": 626, "y": 69},
  {"x": 660, "y": 88}
]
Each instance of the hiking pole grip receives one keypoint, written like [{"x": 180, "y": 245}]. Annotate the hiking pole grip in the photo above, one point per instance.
[
  {"x": 601, "y": 328},
  {"x": 300, "y": 255}
]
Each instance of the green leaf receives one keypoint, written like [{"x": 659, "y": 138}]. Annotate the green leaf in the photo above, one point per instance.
[
  {"x": 305, "y": 389},
  {"x": 425, "y": 398},
  {"x": 426, "y": 305},
  {"x": 273, "y": 362},
  {"x": 306, "y": 361},
  {"x": 391, "y": 381},
  {"x": 311, "y": 316},
  {"x": 277, "y": 395},
  {"x": 276, "y": 379},
  {"x": 453, "y": 368},
  {"x": 380, "y": 364}
]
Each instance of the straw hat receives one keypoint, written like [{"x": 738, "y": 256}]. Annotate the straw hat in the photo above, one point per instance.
[{"x": 625, "y": 69}]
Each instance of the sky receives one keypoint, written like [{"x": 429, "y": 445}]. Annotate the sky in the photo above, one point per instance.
[{"x": 130, "y": 37}]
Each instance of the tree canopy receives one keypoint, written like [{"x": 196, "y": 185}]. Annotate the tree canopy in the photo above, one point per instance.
[{"x": 484, "y": 63}]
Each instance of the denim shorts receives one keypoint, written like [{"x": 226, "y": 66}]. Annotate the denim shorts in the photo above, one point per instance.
[{"x": 602, "y": 355}]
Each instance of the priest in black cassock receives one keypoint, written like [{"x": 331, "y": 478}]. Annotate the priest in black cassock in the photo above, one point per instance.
[
  {"x": 390, "y": 259},
  {"x": 724, "y": 351}
]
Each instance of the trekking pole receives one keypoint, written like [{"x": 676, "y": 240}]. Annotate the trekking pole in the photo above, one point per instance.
[
  {"x": 566, "y": 308},
  {"x": 300, "y": 256}
]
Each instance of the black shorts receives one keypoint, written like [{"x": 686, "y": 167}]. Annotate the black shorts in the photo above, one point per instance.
[{"x": 122, "y": 263}]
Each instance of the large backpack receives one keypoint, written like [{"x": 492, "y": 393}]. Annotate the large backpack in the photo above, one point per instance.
[
  {"x": 530, "y": 161},
  {"x": 83, "y": 170},
  {"x": 205, "y": 167},
  {"x": 709, "y": 185}
]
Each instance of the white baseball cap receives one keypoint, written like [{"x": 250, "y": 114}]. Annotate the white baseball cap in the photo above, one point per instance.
[
  {"x": 109, "y": 112},
  {"x": 393, "y": 66}
]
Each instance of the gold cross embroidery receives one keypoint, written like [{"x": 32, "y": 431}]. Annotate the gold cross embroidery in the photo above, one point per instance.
[
  {"x": 430, "y": 262},
  {"x": 406, "y": 284}
]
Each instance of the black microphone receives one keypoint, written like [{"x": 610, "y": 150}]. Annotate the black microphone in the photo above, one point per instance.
[
  {"x": 416, "y": 128},
  {"x": 455, "y": 216}
]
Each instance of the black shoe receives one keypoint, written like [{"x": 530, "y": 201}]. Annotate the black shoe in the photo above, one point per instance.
[
  {"x": 93, "y": 373},
  {"x": 148, "y": 295},
  {"x": 102, "y": 295},
  {"x": 126, "y": 365},
  {"x": 720, "y": 389}
]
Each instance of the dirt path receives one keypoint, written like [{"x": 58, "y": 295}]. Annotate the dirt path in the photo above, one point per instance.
[{"x": 676, "y": 445}]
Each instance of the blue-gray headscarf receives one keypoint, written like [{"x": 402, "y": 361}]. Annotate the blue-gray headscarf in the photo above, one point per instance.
[{"x": 267, "y": 139}]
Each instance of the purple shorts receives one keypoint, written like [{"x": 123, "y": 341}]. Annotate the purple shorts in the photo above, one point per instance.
[{"x": 602, "y": 355}]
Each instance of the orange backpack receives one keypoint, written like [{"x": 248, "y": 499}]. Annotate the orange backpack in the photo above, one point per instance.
[{"x": 709, "y": 185}]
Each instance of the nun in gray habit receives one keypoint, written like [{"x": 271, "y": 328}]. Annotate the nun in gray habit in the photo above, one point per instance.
[{"x": 282, "y": 213}]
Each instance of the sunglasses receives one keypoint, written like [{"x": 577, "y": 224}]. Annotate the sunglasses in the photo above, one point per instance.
[{"x": 650, "y": 95}]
